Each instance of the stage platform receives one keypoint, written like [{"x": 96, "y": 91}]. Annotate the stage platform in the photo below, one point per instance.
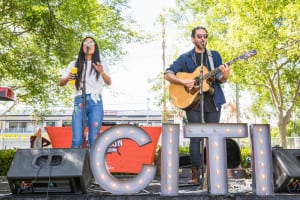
[{"x": 238, "y": 189}]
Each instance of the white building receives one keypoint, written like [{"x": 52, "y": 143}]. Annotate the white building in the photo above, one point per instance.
[{"x": 17, "y": 127}]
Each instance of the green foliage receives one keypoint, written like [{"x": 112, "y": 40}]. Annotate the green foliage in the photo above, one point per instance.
[
  {"x": 246, "y": 154},
  {"x": 39, "y": 38},
  {"x": 6, "y": 157},
  {"x": 274, "y": 132},
  {"x": 184, "y": 150},
  {"x": 270, "y": 27},
  {"x": 293, "y": 128}
]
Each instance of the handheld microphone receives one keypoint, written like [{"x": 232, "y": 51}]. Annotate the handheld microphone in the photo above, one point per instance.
[{"x": 74, "y": 72}]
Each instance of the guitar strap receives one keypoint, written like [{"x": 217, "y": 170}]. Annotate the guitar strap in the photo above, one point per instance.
[
  {"x": 212, "y": 67},
  {"x": 210, "y": 59}
]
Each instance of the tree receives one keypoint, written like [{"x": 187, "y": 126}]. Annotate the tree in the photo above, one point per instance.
[
  {"x": 270, "y": 27},
  {"x": 159, "y": 84},
  {"x": 39, "y": 38}
]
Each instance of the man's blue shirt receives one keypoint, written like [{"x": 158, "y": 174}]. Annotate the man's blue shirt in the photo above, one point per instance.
[{"x": 187, "y": 63}]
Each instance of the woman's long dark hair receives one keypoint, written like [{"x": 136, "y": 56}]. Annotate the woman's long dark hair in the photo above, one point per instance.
[{"x": 81, "y": 61}]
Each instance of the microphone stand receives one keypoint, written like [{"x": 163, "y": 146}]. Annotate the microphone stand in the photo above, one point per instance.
[
  {"x": 202, "y": 112},
  {"x": 201, "y": 88},
  {"x": 84, "y": 95}
]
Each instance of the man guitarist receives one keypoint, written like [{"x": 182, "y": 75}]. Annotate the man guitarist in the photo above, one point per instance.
[{"x": 213, "y": 98}]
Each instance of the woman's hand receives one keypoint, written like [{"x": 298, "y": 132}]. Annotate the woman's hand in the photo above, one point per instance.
[{"x": 98, "y": 67}]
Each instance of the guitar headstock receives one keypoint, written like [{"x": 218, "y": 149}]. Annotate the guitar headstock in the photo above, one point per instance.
[
  {"x": 243, "y": 56},
  {"x": 247, "y": 54}
]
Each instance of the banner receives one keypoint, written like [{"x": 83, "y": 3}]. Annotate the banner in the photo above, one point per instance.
[{"x": 123, "y": 156}]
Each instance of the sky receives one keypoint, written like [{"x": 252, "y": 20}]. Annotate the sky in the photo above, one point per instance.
[{"x": 142, "y": 62}]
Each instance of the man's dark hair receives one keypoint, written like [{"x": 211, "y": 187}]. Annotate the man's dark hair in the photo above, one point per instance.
[{"x": 198, "y": 28}]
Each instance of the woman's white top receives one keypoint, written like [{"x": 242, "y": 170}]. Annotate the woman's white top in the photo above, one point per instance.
[{"x": 93, "y": 86}]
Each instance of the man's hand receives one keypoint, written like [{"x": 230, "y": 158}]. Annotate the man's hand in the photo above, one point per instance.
[
  {"x": 225, "y": 70},
  {"x": 189, "y": 84}
]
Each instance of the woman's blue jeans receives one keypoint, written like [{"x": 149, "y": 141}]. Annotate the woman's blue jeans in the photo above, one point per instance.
[
  {"x": 93, "y": 118},
  {"x": 194, "y": 116}
]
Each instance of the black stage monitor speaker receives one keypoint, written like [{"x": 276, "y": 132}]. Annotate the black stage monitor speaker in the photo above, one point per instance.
[
  {"x": 286, "y": 170},
  {"x": 49, "y": 170},
  {"x": 234, "y": 160},
  {"x": 234, "y": 157}
]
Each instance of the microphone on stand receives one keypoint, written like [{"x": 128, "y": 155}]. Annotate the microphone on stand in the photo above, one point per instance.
[
  {"x": 202, "y": 44},
  {"x": 89, "y": 44}
]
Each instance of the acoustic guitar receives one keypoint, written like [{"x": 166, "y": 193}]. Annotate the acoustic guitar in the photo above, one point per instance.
[{"x": 184, "y": 99}]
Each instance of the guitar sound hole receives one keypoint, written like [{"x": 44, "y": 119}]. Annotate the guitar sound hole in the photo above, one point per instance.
[
  {"x": 196, "y": 82},
  {"x": 186, "y": 89}
]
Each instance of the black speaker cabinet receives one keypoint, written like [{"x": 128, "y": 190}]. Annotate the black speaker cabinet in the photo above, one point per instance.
[
  {"x": 234, "y": 157},
  {"x": 286, "y": 169},
  {"x": 184, "y": 160},
  {"x": 49, "y": 170}
]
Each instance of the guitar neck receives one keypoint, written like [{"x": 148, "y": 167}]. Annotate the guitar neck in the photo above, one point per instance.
[
  {"x": 241, "y": 57},
  {"x": 211, "y": 73},
  {"x": 215, "y": 71},
  {"x": 233, "y": 61}
]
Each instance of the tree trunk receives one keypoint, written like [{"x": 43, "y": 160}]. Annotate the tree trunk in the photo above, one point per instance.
[{"x": 282, "y": 133}]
